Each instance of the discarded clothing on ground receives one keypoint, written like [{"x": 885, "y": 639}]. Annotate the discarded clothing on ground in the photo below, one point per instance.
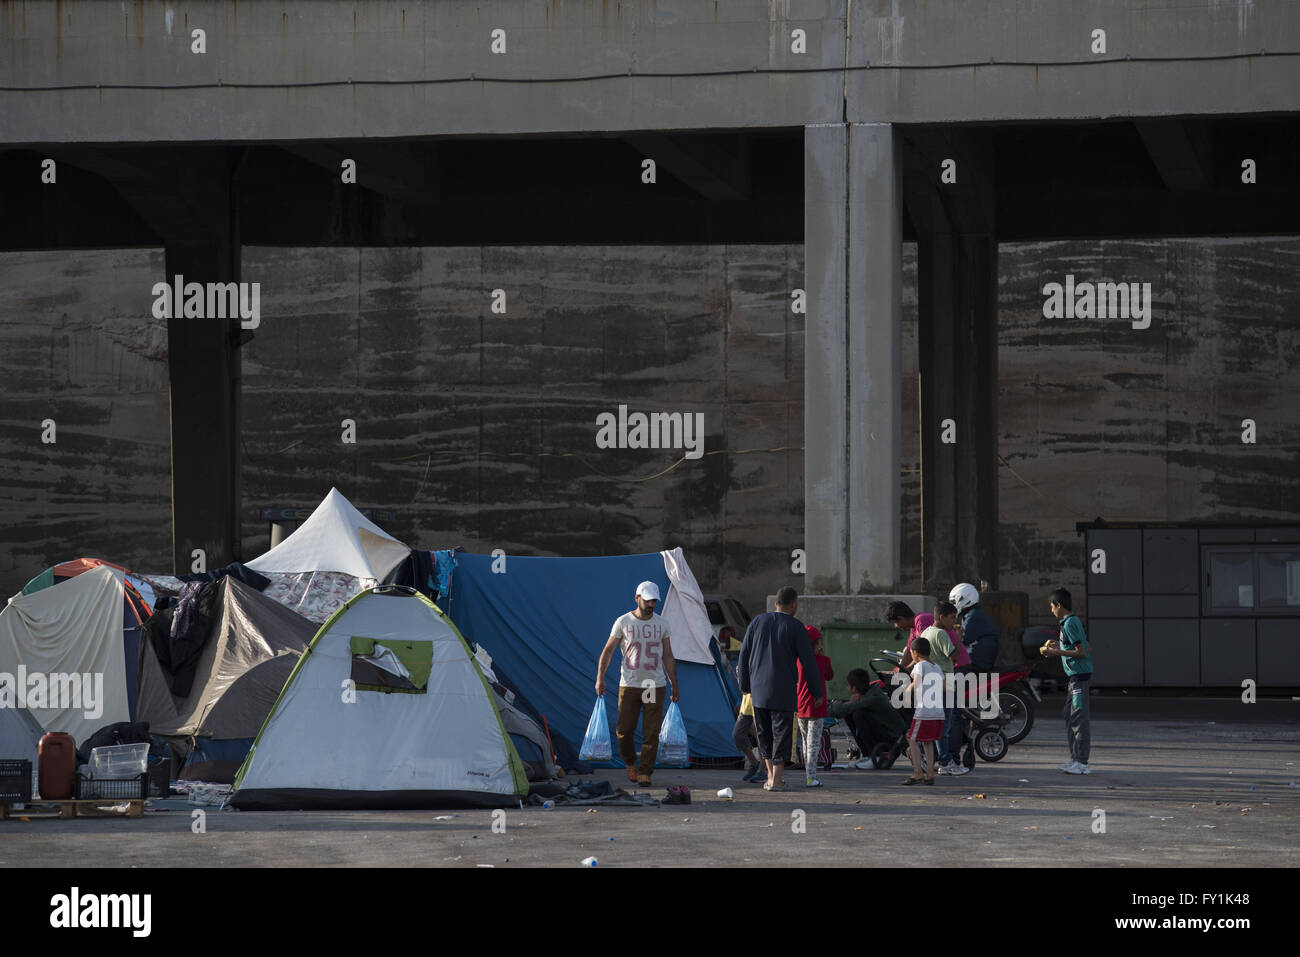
[{"x": 599, "y": 793}]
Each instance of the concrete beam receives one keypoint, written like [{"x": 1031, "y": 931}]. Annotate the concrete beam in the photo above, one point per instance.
[
  {"x": 407, "y": 172},
  {"x": 330, "y": 69},
  {"x": 715, "y": 167},
  {"x": 1182, "y": 151}
]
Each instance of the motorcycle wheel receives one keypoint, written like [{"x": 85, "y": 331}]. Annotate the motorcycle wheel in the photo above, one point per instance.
[
  {"x": 881, "y": 758},
  {"x": 1017, "y": 705},
  {"x": 991, "y": 744}
]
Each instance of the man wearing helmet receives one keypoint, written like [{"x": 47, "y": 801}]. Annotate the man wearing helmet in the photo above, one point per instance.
[{"x": 978, "y": 634}]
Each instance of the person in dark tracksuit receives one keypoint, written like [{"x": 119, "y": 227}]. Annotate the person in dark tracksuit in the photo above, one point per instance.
[
  {"x": 768, "y": 672},
  {"x": 1076, "y": 657}
]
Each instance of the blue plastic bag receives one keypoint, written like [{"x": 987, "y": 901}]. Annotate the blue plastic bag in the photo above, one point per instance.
[
  {"x": 595, "y": 743},
  {"x": 674, "y": 748}
]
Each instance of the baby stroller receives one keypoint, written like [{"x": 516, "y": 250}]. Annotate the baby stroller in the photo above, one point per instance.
[{"x": 980, "y": 735}]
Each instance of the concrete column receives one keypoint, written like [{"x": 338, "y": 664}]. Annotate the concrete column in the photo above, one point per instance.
[
  {"x": 957, "y": 279},
  {"x": 852, "y": 391},
  {"x": 826, "y": 468},
  {"x": 203, "y": 359},
  {"x": 205, "y": 459},
  {"x": 874, "y": 353}
]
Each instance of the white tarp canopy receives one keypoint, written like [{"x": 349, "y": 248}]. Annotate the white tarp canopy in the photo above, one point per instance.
[
  {"x": 72, "y": 629},
  {"x": 335, "y": 538}
]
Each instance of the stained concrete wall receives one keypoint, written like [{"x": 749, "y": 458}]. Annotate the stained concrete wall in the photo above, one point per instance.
[
  {"x": 453, "y": 404},
  {"x": 78, "y": 345},
  {"x": 907, "y": 61},
  {"x": 1100, "y": 419},
  {"x": 478, "y": 429}
]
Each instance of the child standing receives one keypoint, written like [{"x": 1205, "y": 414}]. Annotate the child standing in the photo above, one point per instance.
[
  {"x": 810, "y": 717},
  {"x": 926, "y": 694}
]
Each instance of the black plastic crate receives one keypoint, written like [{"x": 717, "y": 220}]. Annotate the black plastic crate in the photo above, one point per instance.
[
  {"x": 15, "y": 781},
  {"x": 112, "y": 789}
]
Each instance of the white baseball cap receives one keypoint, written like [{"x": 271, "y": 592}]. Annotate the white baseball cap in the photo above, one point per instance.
[{"x": 648, "y": 590}]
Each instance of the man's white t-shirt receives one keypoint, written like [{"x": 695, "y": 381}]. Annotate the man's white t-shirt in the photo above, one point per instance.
[
  {"x": 642, "y": 645},
  {"x": 927, "y": 697}
]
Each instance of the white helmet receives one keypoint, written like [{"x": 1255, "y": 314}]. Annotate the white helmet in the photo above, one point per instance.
[{"x": 964, "y": 596}]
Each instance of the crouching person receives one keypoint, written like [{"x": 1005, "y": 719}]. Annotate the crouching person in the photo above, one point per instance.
[{"x": 869, "y": 716}]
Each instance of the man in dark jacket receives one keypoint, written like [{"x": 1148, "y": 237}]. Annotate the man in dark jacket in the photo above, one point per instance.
[
  {"x": 774, "y": 643},
  {"x": 978, "y": 633}
]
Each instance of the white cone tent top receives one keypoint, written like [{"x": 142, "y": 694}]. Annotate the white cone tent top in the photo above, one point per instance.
[
  {"x": 387, "y": 708},
  {"x": 335, "y": 538}
]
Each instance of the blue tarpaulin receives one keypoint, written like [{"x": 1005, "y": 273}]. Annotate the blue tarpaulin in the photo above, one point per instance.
[{"x": 545, "y": 620}]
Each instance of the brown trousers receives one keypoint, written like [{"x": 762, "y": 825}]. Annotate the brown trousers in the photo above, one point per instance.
[{"x": 629, "y": 710}]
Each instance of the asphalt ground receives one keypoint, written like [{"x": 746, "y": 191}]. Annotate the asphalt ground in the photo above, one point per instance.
[{"x": 1181, "y": 782}]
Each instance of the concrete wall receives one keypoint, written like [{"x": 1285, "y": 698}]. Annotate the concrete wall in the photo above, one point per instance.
[
  {"x": 929, "y": 61},
  {"x": 478, "y": 429},
  {"x": 78, "y": 345},
  {"x": 1100, "y": 419},
  {"x": 453, "y": 404}
]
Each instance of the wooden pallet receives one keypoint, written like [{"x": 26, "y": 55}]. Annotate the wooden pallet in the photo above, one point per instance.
[{"x": 70, "y": 809}]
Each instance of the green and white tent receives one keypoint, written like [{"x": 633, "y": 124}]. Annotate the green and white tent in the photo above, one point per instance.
[{"x": 387, "y": 708}]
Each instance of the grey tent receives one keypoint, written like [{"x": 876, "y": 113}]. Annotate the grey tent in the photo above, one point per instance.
[
  {"x": 251, "y": 649},
  {"x": 529, "y": 739}
]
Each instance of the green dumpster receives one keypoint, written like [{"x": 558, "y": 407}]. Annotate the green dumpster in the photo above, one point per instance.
[{"x": 851, "y": 644}]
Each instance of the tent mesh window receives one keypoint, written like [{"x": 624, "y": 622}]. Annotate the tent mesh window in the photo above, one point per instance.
[{"x": 391, "y": 666}]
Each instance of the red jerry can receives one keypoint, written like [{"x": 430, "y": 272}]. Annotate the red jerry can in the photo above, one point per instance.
[{"x": 58, "y": 766}]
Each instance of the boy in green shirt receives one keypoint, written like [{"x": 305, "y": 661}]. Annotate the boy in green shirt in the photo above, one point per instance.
[{"x": 1076, "y": 657}]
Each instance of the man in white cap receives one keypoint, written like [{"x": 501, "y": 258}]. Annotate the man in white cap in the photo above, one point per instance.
[{"x": 647, "y": 658}]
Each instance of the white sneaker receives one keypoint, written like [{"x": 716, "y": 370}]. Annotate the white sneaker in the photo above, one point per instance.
[
  {"x": 864, "y": 765},
  {"x": 1078, "y": 768},
  {"x": 812, "y": 783},
  {"x": 959, "y": 769},
  {"x": 944, "y": 768},
  {"x": 1066, "y": 767},
  {"x": 1084, "y": 769}
]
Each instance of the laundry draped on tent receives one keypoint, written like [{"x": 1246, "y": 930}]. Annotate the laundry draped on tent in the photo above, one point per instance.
[{"x": 248, "y": 652}]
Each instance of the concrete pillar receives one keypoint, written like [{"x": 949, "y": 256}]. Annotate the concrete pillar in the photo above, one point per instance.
[
  {"x": 852, "y": 390},
  {"x": 874, "y": 352},
  {"x": 203, "y": 359},
  {"x": 826, "y": 461},
  {"x": 957, "y": 280}
]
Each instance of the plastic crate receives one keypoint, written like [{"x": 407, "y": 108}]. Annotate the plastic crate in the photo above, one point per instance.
[
  {"x": 112, "y": 789},
  {"x": 119, "y": 760},
  {"x": 15, "y": 781}
]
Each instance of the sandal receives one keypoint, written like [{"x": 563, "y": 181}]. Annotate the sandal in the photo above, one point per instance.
[
  {"x": 643, "y": 782},
  {"x": 929, "y": 780},
  {"x": 913, "y": 780}
]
